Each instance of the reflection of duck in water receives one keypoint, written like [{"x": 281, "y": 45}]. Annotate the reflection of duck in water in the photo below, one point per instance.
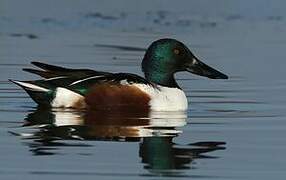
[
  {"x": 155, "y": 131},
  {"x": 161, "y": 153},
  {"x": 105, "y": 125},
  {"x": 83, "y": 88}
]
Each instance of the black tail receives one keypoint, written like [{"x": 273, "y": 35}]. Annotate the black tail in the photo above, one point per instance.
[
  {"x": 51, "y": 71},
  {"x": 52, "y": 68},
  {"x": 44, "y": 74},
  {"x": 48, "y": 71}
]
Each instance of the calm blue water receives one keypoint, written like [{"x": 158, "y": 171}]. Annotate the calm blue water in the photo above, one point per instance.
[{"x": 234, "y": 129}]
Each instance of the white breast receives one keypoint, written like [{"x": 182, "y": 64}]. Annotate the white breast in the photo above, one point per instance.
[{"x": 165, "y": 99}]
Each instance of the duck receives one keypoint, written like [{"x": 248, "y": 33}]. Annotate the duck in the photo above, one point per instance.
[{"x": 158, "y": 90}]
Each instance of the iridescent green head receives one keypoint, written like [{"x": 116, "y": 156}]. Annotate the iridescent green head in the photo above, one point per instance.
[{"x": 165, "y": 57}]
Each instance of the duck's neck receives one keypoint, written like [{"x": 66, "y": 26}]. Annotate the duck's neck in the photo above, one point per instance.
[{"x": 163, "y": 79}]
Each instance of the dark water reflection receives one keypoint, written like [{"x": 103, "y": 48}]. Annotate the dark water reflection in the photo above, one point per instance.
[{"x": 155, "y": 132}]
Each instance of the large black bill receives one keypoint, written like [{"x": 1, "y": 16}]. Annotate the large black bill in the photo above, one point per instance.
[{"x": 200, "y": 68}]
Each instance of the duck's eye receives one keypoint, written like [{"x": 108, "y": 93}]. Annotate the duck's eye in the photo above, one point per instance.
[{"x": 176, "y": 51}]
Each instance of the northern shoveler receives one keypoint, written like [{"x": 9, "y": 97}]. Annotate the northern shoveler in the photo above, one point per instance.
[{"x": 84, "y": 88}]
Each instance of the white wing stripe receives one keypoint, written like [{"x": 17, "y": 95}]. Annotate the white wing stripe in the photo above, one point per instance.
[
  {"x": 76, "y": 82},
  {"x": 54, "y": 78}
]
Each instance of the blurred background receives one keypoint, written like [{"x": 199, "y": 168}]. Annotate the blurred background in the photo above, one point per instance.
[{"x": 234, "y": 129}]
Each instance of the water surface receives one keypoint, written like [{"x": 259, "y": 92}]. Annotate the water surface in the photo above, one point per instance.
[{"x": 234, "y": 129}]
